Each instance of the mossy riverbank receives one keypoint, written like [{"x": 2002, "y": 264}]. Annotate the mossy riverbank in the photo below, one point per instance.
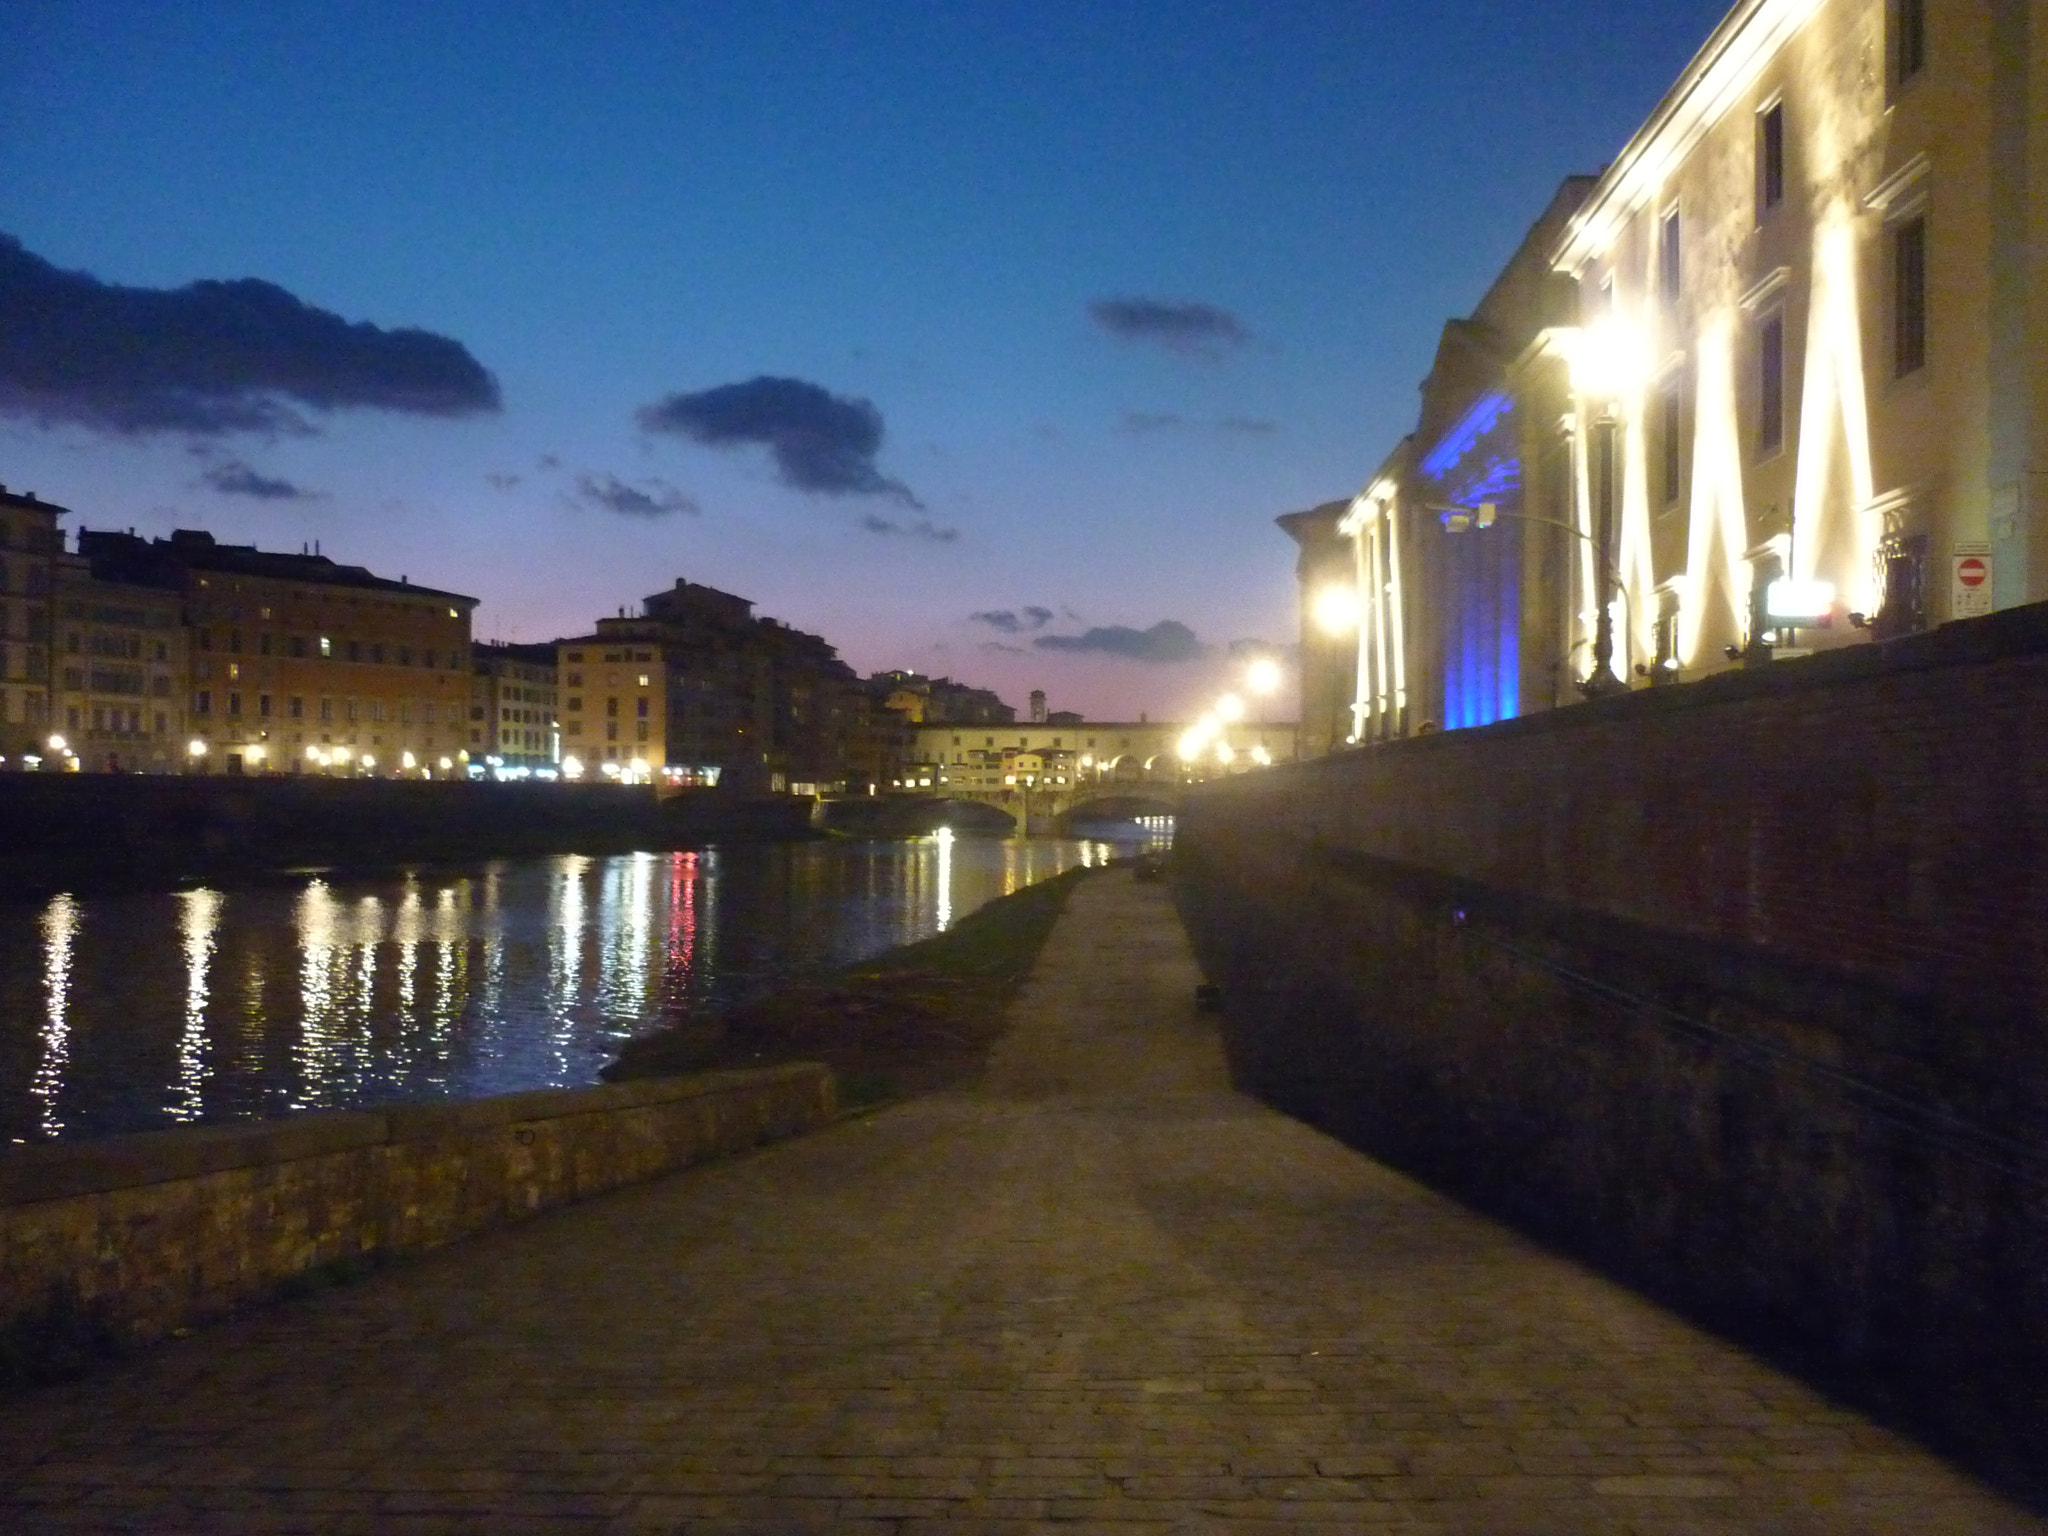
[{"x": 904, "y": 1022}]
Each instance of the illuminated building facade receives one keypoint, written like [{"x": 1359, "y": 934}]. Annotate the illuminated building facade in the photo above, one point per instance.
[
  {"x": 1775, "y": 381},
  {"x": 300, "y": 664},
  {"x": 1325, "y": 570},
  {"x": 1822, "y": 257},
  {"x": 512, "y": 706},
  {"x": 29, "y": 544},
  {"x": 117, "y": 673},
  {"x": 700, "y": 687}
]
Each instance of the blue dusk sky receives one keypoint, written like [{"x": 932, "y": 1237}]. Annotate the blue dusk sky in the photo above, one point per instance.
[{"x": 981, "y": 339}]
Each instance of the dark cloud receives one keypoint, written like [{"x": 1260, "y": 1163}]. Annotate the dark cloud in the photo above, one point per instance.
[
  {"x": 1200, "y": 330},
  {"x": 998, "y": 646},
  {"x": 650, "y": 498},
  {"x": 1247, "y": 426},
  {"x": 501, "y": 479},
  {"x": 1150, "y": 421},
  {"x": 820, "y": 442},
  {"x": 547, "y": 461},
  {"x": 1012, "y": 621},
  {"x": 209, "y": 358},
  {"x": 923, "y": 528},
  {"x": 231, "y": 477},
  {"x": 1168, "y": 640}
]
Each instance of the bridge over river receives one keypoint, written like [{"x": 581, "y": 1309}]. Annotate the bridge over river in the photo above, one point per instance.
[{"x": 1097, "y": 1291}]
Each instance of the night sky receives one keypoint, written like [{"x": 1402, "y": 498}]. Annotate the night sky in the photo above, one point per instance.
[{"x": 982, "y": 339}]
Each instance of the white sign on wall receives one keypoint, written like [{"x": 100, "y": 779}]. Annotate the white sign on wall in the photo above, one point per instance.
[{"x": 1970, "y": 583}]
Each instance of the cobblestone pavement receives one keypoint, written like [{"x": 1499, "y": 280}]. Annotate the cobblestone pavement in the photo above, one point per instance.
[{"x": 1099, "y": 1292}]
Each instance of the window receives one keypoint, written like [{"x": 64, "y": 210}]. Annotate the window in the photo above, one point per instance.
[
  {"x": 611, "y": 730},
  {"x": 643, "y": 709},
  {"x": 1671, "y": 427},
  {"x": 355, "y": 650},
  {"x": 1770, "y": 384},
  {"x": 263, "y": 705},
  {"x": 263, "y": 644},
  {"x": 234, "y": 703},
  {"x": 611, "y": 706},
  {"x": 296, "y": 706},
  {"x": 202, "y": 702},
  {"x": 1770, "y": 158},
  {"x": 1909, "y": 296},
  {"x": 327, "y": 709},
  {"x": 641, "y": 730},
  {"x": 1908, "y": 39},
  {"x": 326, "y": 646},
  {"x": 234, "y": 671},
  {"x": 1670, "y": 259}
]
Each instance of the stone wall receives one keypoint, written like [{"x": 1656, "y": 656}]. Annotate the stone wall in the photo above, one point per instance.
[
  {"x": 61, "y": 830},
  {"x": 1739, "y": 988},
  {"x": 124, "y": 1240}
]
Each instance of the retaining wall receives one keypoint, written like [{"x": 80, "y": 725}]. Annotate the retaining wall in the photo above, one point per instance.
[
  {"x": 121, "y": 1241},
  {"x": 60, "y": 830},
  {"x": 1739, "y": 988}
]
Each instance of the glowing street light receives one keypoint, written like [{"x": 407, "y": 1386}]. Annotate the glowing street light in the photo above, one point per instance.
[
  {"x": 1230, "y": 708},
  {"x": 1263, "y": 675},
  {"x": 1335, "y": 610}
]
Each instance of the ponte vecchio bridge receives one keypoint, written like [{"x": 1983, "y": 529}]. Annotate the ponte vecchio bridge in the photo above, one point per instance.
[{"x": 1042, "y": 774}]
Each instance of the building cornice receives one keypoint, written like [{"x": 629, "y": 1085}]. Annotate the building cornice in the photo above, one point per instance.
[{"x": 1748, "y": 38}]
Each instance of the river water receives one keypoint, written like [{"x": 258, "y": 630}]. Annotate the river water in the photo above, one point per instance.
[{"x": 140, "y": 1011}]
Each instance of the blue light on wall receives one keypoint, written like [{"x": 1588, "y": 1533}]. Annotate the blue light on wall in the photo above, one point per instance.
[{"x": 1476, "y": 462}]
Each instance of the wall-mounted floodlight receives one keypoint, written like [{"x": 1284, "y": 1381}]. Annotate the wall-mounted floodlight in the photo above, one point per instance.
[
  {"x": 1804, "y": 604},
  {"x": 1464, "y": 519}
]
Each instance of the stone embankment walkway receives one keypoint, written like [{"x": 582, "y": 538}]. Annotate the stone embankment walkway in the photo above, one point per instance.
[{"x": 1098, "y": 1292}]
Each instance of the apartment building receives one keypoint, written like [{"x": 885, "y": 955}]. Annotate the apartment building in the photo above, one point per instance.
[
  {"x": 29, "y": 543},
  {"x": 512, "y": 706},
  {"x": 300, "y": 664},
  {"x": 118, "y": 673}
]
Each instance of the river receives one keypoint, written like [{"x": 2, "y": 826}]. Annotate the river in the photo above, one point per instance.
[{"x": 140, "y": 1011}]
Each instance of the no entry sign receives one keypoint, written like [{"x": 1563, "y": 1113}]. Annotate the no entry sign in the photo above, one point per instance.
[{"x": 1970, "y": 590}]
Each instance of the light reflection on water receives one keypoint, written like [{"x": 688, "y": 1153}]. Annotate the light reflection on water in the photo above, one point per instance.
[{"x": 129, "y": 1012}]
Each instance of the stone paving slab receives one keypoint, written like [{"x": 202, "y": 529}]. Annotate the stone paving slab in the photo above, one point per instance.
[{"x": 1098, "y": 1292}]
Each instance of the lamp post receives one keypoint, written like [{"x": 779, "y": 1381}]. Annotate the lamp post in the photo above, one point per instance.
[
  {"x": 1606, "y": 369},
  {"x": 1462, "y": 519}
]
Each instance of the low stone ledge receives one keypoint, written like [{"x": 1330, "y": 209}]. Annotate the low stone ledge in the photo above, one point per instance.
[{"x": 128, "y": 1239}]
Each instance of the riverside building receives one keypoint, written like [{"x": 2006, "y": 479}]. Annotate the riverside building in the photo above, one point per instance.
[
  {"x": 300, "y": 664},
  {"x": 1796, "y": 397},
  {"x": 30, "y": 541}
]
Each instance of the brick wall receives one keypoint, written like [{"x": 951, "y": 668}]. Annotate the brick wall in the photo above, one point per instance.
[
  {"x": 115, "y": 1242},
  {"x": 1739, "y": 987}
]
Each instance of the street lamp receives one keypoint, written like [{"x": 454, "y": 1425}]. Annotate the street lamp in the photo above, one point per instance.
[
  {"x": 1335, "y": 610},
  {"x": 1606, "y": 365}
]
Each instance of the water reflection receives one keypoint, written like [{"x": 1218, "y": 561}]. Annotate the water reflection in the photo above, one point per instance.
[
  {"x": 60, "y": 932},
  {"x": 131, "y": 1012},
  {"x": 198, "y": 917}
]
